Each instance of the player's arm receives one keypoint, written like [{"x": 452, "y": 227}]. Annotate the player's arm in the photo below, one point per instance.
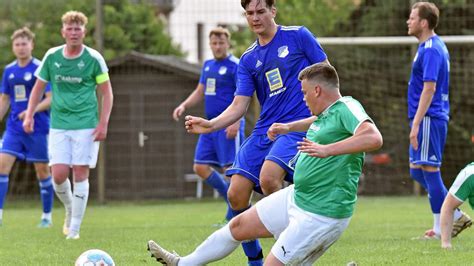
[
  {"x": 232, "y": 114},
  {"x": 105, "y": 90},
  {"x": 35, "y": 97},
  {"x": 429, "y": 88},
  {"x": 44, "y": 105},
  {"x": 366, "y": 138},
  {"x": 194, "y": 98},
  {"x": 4, "y": 105},
  {"x": 282, "y": 128},
  {"x": 447, "y": 212}
]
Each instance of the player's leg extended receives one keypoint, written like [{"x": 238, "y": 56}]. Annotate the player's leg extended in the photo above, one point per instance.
[
  {"x": 219, "y": 244},
  {"x": 6, "y": 163},
  {"x": 46, "y": 193},
  {"x": 239, "y": 194}
]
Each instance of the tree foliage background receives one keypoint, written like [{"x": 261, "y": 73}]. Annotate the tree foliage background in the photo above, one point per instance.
[{"x": 127, "y": 26}]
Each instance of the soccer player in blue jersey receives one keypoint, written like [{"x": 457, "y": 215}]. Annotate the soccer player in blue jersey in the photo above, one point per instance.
[
  {"x": 17, "y": 81},
  {"x": 216, "y": 86},
  {"x": 269, "y": 67},
  {"x": 428, "y": 109}
]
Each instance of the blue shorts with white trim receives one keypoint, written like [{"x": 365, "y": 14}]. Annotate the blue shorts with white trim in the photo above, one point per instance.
[{"x": 431, "y": 140}]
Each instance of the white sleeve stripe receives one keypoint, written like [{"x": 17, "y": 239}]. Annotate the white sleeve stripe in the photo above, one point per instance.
[
  {"x": 462, "y": 177},
  {"x": 99, "y": 58}
]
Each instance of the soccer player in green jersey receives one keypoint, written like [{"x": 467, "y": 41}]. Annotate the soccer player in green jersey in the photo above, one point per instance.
[
  {"x": 461, "y": 190},
  {"x": 308, "y": 217},
  {"x": 76, "y": 72}
]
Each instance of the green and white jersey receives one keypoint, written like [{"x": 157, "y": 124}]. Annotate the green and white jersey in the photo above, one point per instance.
[
  {"x": 73, "y": 85},
  {"x": 328, "y": 186},
  {"x": 463, "y": 187}
]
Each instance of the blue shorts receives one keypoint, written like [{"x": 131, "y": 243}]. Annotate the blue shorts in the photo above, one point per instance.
[
  {"x": 216, "y": 149},
  {"x": 29, "y": 147},
  {"x": 431, "y": 140},
  {"x": 258, "y": 148}
]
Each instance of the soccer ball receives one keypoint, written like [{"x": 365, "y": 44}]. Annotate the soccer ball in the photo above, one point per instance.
[{"x": 95, "y": 257}]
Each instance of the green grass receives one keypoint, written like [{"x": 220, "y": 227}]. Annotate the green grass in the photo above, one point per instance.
[{"x": 379, "y": 234}]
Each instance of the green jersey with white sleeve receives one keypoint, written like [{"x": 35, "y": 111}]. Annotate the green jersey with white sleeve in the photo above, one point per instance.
[
  {"x": 463, "y": 187},
  {"x": 328, "y": 186},
  {"x": 73, "y": 85}
]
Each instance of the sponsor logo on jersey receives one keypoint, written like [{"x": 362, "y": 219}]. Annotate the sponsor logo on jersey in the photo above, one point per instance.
[
  {"x": 222, "y": 70},
  {"x": 206, "y": 69},
  {"x": 210, "y": 86},
  {"x": 67, "y": 79},
  {"x": 20, "y": 93},
  {"x": 274, "y": 79},
  {"x": 259, "y": 63},
  {"x": 11, "y": 76},
  {"x": 27, "y": 76},
  {"x": 433, "y": 158},
  {"x": 58, "y": 65},
  {"x": 283, "y": 51},
  {"x": 315, "y": 127}
]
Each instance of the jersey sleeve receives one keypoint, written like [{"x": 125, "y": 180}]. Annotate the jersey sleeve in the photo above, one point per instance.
[
  {"x": 310, "y": 46},
  {"x": 354, "y": 116},
  {"x": 42, "y": 72},
  {"x": 4, "y": 85},
  {"x": 431, "y": 64},
  {"x": 202, "y": 78},
  {"x": 245, "y": 82},
  {"x": 101, "y": 71},
  {"x": 462, "y": 186}
]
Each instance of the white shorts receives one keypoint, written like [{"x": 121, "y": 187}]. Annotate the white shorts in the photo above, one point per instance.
[
  {"x": 73, "y": 147},
  {"x": 302, "y": 237}
]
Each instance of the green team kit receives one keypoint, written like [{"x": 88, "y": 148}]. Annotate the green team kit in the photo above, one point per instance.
[
  {"x": 73, "y": 85},
  {"x": 328, "y": 186},
  {"x": 463, "y": 186}
]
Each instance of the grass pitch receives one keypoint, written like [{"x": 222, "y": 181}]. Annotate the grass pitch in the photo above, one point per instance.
[{"x": 379, "y": 234}]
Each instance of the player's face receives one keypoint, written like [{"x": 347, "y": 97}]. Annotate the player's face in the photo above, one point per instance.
[
  {"x": 73, "y": 34},
  {"x": 414, "y": 23},
  {"x": 22, "y": 48},
  {"x": 219, "y": 46},
  {"x": 259, "y": 16},
  {"x": 310, "y": 96}
]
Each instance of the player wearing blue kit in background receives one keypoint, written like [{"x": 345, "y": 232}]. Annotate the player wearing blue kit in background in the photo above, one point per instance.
[
  {"x": 269, "y": 67},
  {"x": 428, "y": 109},
  {"x": 217, "y": 87},
  {"x": 17, "y": 81}
]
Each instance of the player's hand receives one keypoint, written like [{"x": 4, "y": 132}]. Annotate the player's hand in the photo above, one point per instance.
[
  {"x": 28, "y": 124},
  {"x": 22, "y": 115},
  {"x": 313, "y": 149},
  {"x": 414, "y": 136},
  {"x": 178, "y": 111},
  {"x": 277, "y": 129},
  {"x": 197, "y": 125},
  {"x": 100, "y": 132},
  {"x": 232, "y": 130}
]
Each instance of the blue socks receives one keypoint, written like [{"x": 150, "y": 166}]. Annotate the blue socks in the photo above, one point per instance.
[
  {"x": 3, "y": 189},
  {"x": 252, "y": 248},
  {"x": 218, "y": 182},
  {"x": 436, "y": 190},
  {"x": 417, "y": 174},
  {"x": 47, "y": 194}
]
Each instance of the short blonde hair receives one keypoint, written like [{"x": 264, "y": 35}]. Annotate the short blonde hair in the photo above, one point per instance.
[
  {"x": 74, "y": 17},
  {"x": 24, "y": 32},
  {"x": 220, "y": 31}
]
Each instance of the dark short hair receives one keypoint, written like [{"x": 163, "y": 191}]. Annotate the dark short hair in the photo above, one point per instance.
[
  {"x": 245, "y": 3},
  {"x": 220, "y": 31},
  {"x": 428, "y": 11},
  {"x": 321, "y": 72}
]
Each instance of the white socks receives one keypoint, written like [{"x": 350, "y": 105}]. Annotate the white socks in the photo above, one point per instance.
[
  {"x": 63, "y": 192},
  {"x": 217, "y": 246},
  {"x": 47, "y": 216},
  {"x": 79, "y": 203},
  {"x": 437, "y": 220}
]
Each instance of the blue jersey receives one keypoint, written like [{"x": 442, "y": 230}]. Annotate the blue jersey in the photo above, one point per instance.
[
  {"x": 219, "y": 80},
  {"x": 17, "y": 82},
  {"x": 272, "y": 71},
  {"x": 431, "y": 63}
]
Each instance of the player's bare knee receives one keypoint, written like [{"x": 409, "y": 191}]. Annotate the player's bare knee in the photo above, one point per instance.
[
  {"x": 42, "y": 170},
  {"x": 236, "y": 200},
  {"x": 202, "y": 170},
  {"x": 269, "y": 184},
  {"x": 429, "y": 168},
  {"x": 235, "y": 227}
]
